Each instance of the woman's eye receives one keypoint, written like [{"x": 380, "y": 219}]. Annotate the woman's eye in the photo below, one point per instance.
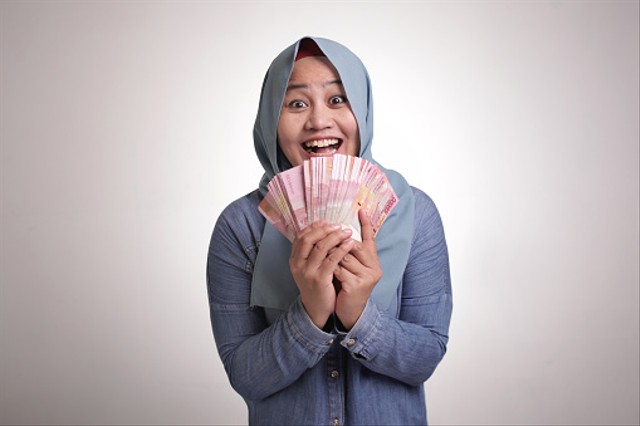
[
  {"x": 335, "y": 100},
  {"x": 297, "y": 104}
]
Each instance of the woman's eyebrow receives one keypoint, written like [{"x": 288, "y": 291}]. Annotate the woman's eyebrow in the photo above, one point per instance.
[
  {"x": 329, "y": 83},
  {"x": 305, "y": 86},
  {"x": 296, "y": 86}
]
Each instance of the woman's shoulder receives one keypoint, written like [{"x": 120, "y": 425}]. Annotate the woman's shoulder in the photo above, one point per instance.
[
  {"x": 245, "y": 205},
  {"x": 426, "y": 212},
  {"x": 237, "y": 232},
  {"x": 242, "y": 219},
  {"x": 423, "y": 201}
]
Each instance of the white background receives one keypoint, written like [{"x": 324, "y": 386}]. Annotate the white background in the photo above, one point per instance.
[{"x": 127, "y": 128}]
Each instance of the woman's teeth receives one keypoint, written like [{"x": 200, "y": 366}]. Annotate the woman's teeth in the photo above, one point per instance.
[{"x": 322, "y": 146}]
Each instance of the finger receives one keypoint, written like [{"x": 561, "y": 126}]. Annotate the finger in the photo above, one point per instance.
[
  {"x": 305, "y": 240},
  {"x": 331, "y": 260},
  {"x": 352, "y": 264},
  {"x": 329, "y": 246},
  {"x": 367, "y": 227},
  {"x": 311, "y": 229},
  {"x": 363, "y": 254},
  {"x": 343, "y": 275}
]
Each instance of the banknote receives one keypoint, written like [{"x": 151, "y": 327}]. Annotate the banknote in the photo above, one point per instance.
[{"x": 332, "y": 189}]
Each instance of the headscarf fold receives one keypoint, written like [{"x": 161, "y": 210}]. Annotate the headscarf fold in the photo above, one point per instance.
[{"x": 272, "y": 284}]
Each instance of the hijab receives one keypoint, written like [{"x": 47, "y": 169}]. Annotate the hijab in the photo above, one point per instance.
[{"x": 273, "y": 286}]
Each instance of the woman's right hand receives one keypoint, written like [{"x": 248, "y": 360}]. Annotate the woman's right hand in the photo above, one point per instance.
[{"x": 315, "y": 253}]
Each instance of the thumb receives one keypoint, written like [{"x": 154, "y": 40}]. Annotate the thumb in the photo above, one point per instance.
[{"x": 366, "y": 227}]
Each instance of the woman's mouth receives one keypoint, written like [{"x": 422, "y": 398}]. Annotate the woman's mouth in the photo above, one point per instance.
[{"x": 322, "y": 146}]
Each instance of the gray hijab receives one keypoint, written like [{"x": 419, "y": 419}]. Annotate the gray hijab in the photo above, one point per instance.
[{"x": 272, "y": 284}]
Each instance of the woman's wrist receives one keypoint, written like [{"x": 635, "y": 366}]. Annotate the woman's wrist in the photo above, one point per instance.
[{"x": 317, "y": 317}]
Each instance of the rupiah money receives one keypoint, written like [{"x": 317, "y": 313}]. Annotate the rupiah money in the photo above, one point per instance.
[{"x": 332, "y": 189}]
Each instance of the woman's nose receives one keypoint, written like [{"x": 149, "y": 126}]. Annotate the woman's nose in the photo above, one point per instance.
[{"x": 319, "y": 118}]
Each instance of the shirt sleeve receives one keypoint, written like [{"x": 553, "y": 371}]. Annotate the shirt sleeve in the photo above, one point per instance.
[
  {"x": 259, "y": 359},
  {"x": 409, "y": 348}
]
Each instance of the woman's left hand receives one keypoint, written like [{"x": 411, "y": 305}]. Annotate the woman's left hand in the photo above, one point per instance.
[{"x": 358, "y": 273}]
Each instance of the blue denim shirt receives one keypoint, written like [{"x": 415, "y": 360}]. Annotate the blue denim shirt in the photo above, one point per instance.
[{"x": 290, "y": 372}]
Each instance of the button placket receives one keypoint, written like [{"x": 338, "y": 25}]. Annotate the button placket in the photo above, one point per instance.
[{"x": 334, "y": 385}]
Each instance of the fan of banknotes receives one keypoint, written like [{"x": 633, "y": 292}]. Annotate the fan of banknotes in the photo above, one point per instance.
[{"x": 332, "y": 189}]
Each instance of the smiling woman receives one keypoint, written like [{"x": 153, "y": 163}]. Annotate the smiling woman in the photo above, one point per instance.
[{"x": 326, "y": 329}]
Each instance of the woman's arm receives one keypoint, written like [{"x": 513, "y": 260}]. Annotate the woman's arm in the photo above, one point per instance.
[
  {"x": 259, "y": 359},
  {"x": 409, "y": 348}
]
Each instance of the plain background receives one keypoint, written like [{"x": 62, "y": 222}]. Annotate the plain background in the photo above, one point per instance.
[{"x": 126, "y": 129}]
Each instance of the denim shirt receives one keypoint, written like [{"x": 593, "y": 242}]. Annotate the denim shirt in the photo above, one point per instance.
[{"x": 290, "y": 372}]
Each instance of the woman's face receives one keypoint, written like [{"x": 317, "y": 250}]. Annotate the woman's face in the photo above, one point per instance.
[{"x": 316, "y": 119}]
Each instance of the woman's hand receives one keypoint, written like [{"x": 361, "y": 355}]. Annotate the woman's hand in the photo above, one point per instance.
[
  {"x": 358, "y": 272},
  {"x": 315, "y": 254}
]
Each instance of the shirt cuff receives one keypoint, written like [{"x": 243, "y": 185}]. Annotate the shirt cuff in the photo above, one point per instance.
[
  {"x": 306, "y": 332},
  {"x": 359, "y": 341}
]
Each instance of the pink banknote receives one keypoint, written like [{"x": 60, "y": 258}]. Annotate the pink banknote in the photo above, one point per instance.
[{"x": 332, "y": 189}]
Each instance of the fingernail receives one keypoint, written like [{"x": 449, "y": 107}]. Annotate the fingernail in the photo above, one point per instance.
[{"x": 335, "y": 227}]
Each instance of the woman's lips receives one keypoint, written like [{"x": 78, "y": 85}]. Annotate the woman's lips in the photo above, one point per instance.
[{"x": 327, "y": 146}]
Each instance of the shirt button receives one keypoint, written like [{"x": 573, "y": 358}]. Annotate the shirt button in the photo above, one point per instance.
[
  {"x": 351, "y": 342},
  {"x": 335, "y": 374}
]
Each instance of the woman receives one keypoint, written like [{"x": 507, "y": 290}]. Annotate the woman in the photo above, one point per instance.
[{"x": 327, "y": 330}]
